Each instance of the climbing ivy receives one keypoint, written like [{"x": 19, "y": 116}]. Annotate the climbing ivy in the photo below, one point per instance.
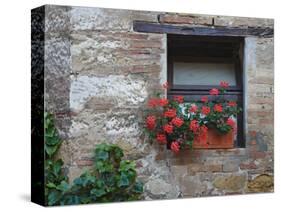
[{"x": 111, "y": 179}]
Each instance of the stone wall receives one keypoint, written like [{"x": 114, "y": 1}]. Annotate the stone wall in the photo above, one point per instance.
[{"x": 99, "y": 74}]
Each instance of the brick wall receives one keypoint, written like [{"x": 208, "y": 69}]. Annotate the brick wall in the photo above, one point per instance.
[{"x": 99, "y": 74}]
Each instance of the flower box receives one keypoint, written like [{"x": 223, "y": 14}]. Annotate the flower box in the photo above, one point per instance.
[
  {"x": 208, "y": 124},
  {"x": 216, "y": 140}
]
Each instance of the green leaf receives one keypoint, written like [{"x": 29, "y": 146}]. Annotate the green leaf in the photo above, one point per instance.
[
  {"x": 78, "y": 181},
  {"x": 118, "y": 153},
  {"x": 63, "y": 186},
  {"x": 127, "y": 165},
  {"x": 57, "y": 167},
  {"x": 51, "y": 185},
  {"x": 51, "y": 141},
  {"x": 53, "y": 197},
  {"x": 98, "y": 192},
  {"x": 138, "y": 187},
  {"x": 123, "y": 181},
  {"x": 101, "y": 155},
  {"x": 50, "y": 150}
]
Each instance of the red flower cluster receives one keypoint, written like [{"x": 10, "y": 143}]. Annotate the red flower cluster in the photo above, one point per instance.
[
  {"x": 169, "y": 124},
  {"x": 194, "y": 126},
  {"x": 214, "y": 92},
  {"x": 224, "y": 84},
  {"x": 175, "y": 147},
  {"x": 205, "y": 110},
  {"x": 179, "y": 99},
  {"x": 204, "y": 99},
  {"x": 232, "y": 104},
  {"x": 218, "y": 108},
  {"x": 150, "y": 122},
  {"x": 193, "y": 109},
  {"x": 170, "y": 113},
  {"x": 231, "y": 122},
  {"x": 168, "y": 128},
  {"x": 161, "y": 138},
  {"x": 152, "y": 103},
  {"x": 163, "y": 102},
  {"x": 178, "y": 122}
]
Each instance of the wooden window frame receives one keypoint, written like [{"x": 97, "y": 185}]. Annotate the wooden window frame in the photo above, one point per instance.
[
  {"x": 224, "y": 34},
  {"x": 194, "y": 92}
]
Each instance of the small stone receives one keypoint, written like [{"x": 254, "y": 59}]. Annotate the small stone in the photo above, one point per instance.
[
  {"x": 231, "y": 166},
  {"x": 230, "y": 183},
  {"x": 192, "y": 186},
  {"x": 158, "y": 187},
  {"x": 262, "y": 183}
]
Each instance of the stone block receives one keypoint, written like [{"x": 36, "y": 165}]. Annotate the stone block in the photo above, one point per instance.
[
  {"x": 192, "y": 186},
  {"x": 86, "y": 18},
  {"x": 262, "y": 183},
  {"x": 242, "y": 22},
  {"x": 185, "y": 19},
  {"x": 231, "y": 182},
  {"x": 57, "y": 18},
  {"x": 231, "y": 165}
]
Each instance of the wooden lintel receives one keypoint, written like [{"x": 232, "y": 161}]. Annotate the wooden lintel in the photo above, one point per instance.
[{"x": 151, "y": 27}]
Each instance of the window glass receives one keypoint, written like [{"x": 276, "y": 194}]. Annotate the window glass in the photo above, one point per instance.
[{"x": 203, "y": 73}]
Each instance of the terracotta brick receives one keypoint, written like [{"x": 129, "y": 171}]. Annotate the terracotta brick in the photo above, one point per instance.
[
  {"x": 145, "y": 68},
  {"x": 257, "y": 155},
  {"x": 185, "y": 19},
  {"x": 84, "y": 162},
  {"x": 146, "y": 44},
  {"x": 266, "y": 121},
  {"x": 253, "y": 142},
  {"x": 250, "y": 165},
  {"x": 194, "y": 168},
  {"x": 253, "y": 133}
]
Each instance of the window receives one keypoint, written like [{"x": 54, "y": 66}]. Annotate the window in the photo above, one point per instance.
[{"x": 198, "y": 63}]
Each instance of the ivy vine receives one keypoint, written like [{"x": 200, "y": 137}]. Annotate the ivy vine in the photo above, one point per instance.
[{"x": 112, "y": 179}]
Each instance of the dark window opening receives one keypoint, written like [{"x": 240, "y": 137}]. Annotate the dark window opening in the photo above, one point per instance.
[{"x": 198, "y": 63}]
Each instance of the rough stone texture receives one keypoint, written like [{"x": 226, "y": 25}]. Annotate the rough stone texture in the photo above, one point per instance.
[
  {"x": 186, "y": 19},
  {"x": 230, "y": 183},
  {"x": 243, "y": 22},
  {"x": 262, "y": 183},
  {"x": 99, "y": 74},
  {"x": 124, "y": 91}
]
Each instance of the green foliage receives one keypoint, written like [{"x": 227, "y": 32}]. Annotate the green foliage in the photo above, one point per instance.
[
  {"x": 111, "y": 179},
  {"x": 54, "y": 177}
]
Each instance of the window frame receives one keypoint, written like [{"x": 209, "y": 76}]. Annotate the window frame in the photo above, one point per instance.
[{"x": 194, "y": 92}]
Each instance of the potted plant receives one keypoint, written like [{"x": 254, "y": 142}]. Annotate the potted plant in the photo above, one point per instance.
[{"x": 180, "y": 125}]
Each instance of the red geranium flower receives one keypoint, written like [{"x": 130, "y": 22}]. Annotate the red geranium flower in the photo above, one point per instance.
[
  {"x": 153, "y": 102},
  {"x": 163, "y": 102},
  {"x": 231, "y": 122},
  {"x": 175, "y": 147},
  {"x": 214, "y": 92},
  {"x": 224, "y": 84},
  {"x": 177, "y": 121},
  {"x": 168, "y": 128},
  {"x": 179, "y": 99},
  {"x": 204, "y": 99},
  {"x": 205, "y": 110},
  {"x": 161, "y": 138},
  {"x": 232, "y": 104},
  {"x": 218, "y": 108},
  {"x": 150, "y": 122},
  {"x": 170, "y": 113},
  {"x": 193, "y": 109},
  {"x": 194, "y": 126},
  {"x": 165, "y": 85}
]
